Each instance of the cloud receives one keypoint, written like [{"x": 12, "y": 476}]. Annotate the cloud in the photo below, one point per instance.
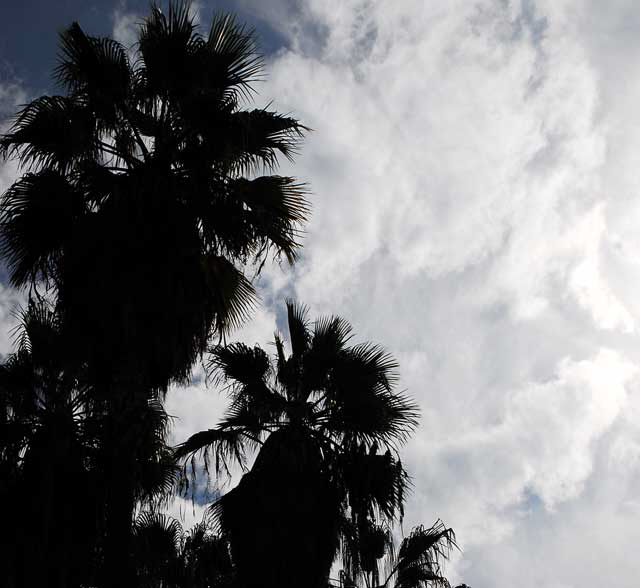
[
  {"x": 473, "y": 166},
  {"x": 125, "y": 26},
  {"x": 12, "y": 95},
  {"x": 474, "y": 177}
]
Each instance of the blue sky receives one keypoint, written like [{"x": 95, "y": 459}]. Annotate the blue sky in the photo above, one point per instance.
[
  {"x": 29, "y": 32},
  {"x": 474, "y": 181}
]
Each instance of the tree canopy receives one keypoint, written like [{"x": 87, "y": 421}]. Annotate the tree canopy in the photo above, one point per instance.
[{"x": 148, "y": 200}]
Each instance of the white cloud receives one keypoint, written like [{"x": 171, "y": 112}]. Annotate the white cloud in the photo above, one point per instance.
[
  {"x": 12, "y": 95},
  {"x": 474, "y": 170},
  {"x": 125, "y": 26}
]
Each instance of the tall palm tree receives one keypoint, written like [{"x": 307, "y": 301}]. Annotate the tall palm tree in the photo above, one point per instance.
[
  {"x": 141, "y": 206},
  {"x": 326, "y": 421}
]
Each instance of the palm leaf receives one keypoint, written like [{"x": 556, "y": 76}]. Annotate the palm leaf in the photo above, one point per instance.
[
  {"x": 232, "y": 295},
  {"x": 375, "y": 483},
  {"x": 168, "y": 44},
  {"x": 95, "y": 70},
  {"x": 299, "y": 334},
  {"x": 327, "y": 345},
  {"x": 275, "y": 207},
  {"x": 157, "y": 541},
  {"x": 51, "y": 131},
  {"x": 239, "y": 364},
  {"x": 420, "y": 557},
  {"x": 36, "y": 216},
  {"x": 233, "y": 59},
  {"x": 362, "y": 401},
  {"x": 364, "y": 544},
  {"x": 254, "y": 139},
  {"x": 227, "y": 446}
]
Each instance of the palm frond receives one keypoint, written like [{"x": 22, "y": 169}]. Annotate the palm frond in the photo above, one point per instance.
[
  {"x": 227, "y": 446},
  {"x": 39, "y": 332},
  {"x": 206, "y": 557},
  {"x": 255, "y": 138},
  {"x": 232, "y": 295},
  {"x": 365, "y": 545},
  {"x": 159, "y": 530},
  {"x": 233, "y": 57},
  {"x": 362, "y": 416},
  {"x": 157, "y": 541},
  {"x": 299, "y": 334},
  {"x": 420, "y": 557},
  {"x": 327, "y": 345},
  {"x": 363, "y": 403},
  {"x": 37, "y": 214},
  {"x": 238, "y": 363},
  {"x": 168, "y": 45},
  {"x": 375, "y": 482},
  {"x": 275, "y": 209},
  {"x": 280, "y": 356},
  {"x": 95, "y": 70},
  {"x": 51, "y": 131},
  {"x": 247, "y": 371},
  {"x": 157, "y": 473}
]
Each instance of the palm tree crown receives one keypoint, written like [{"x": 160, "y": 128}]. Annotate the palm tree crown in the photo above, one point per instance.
[
  {"x": 166, "y": 556},
  {"x": 327, "y": 421},
  {"x": 142, "y": 201}
]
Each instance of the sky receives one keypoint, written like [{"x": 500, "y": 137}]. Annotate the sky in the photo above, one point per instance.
[{"x": 474, "y": 172}]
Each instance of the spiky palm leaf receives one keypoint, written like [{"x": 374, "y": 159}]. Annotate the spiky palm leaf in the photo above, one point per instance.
[
  {"x": 418, "y": 564},
  {"x": 156, "y": 545}
]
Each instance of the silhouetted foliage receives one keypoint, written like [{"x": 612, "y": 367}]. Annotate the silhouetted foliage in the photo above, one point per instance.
[
  {"x": 148, "y": 192},
  {"x": 139, "y": 209},
  {"x": 49, "y": 440},
  {"x": 326, "y": 421},
  {"x": 416, "y": 564},
  {"x": 165, "y": 556},
  {"x": 135, "y": 208}
]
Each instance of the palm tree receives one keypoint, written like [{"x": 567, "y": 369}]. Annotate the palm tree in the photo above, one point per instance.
[
  {"x": 167, "y": 557},
  {"x": 54, "y": 460},
  {"x": 48, "y": 451},
  {"x": 141, "y": 207},
  {"x": 417, "y": 563},
  {"x": 156, "y": 550},
  {"x": 326, "y": 422}
]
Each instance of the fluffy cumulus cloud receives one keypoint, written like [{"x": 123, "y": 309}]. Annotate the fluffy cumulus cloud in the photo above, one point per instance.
[{"x": 474, "y": 170}]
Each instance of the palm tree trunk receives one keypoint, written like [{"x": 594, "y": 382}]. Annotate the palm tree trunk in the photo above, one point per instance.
[
  {"x": 118, "y": 570},
  {"x": 282, "y": 519}
]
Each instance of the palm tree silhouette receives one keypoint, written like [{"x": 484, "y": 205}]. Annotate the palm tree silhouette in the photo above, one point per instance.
[
  {"x": 140, "y": 208},
  {"x": 54, "y": 458},
  {"x": 326, "y": 421},
  {"x": 165, "y": 556},
  {"x": 416, "y": 564},
  {"x": 48, "y": 441}
]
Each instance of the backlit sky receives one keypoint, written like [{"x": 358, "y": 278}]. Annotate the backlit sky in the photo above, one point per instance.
[{"x": 475, "y": 168}]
